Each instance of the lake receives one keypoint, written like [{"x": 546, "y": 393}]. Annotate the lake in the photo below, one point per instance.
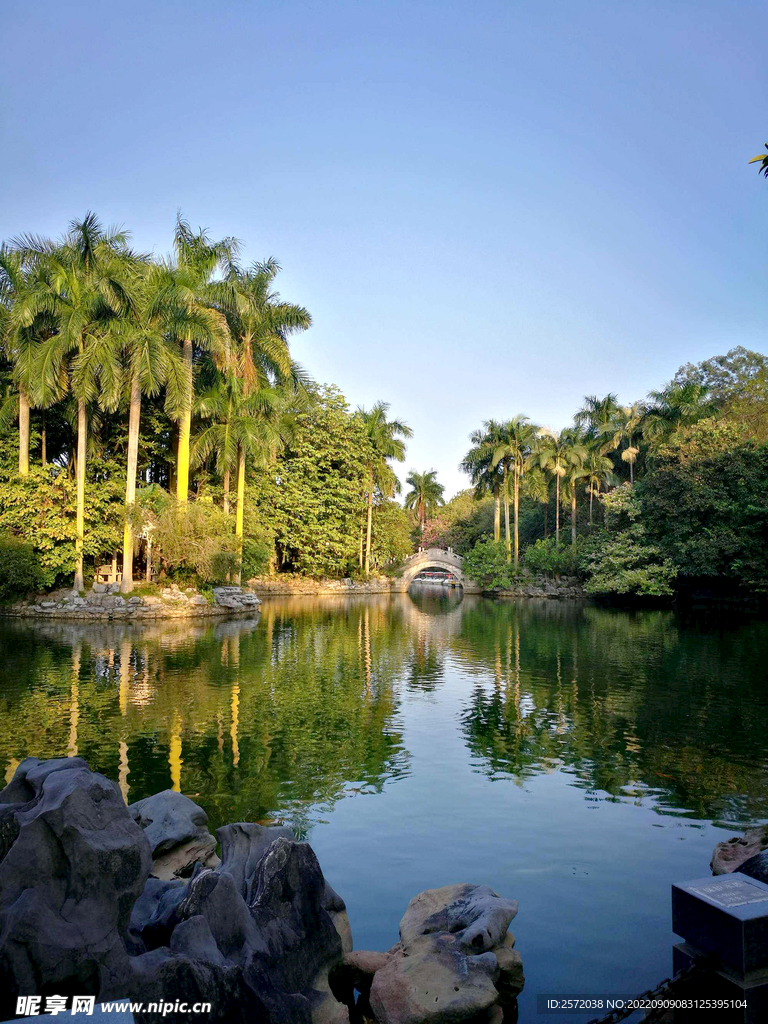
[{"x": 575, "y": 758}]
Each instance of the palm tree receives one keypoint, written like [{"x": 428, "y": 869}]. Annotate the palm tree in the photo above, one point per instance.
[
  {"x": 595, "y": 413},
  {"x": 561, "y": 456},
  {"x": 598, "y": 470},
  {"x": 257, "y": 379},
  {"x": 153, "y": 362},
  {"x": 197, "y": 259},
  {"x": 622, "y": 429},
  {"x": 425, "y": 496},
  {"x": 385, "y": 442},
  {"x": 247, "y": 425},
  {"x": 576, "y": 454},
  {"x": 675, "y": 406},
  {"x": 20, "y": 336},
  {"x": 486, "y": 476},
  {"x": 513, "y": 449},
  {"x": 85, "y": 284},
  {"x": 762, "y": 159}
]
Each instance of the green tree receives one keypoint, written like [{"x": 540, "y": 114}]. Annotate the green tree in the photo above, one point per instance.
[
  {"x": 425, "y": 495},
  {"x": 86, "y": 286},
  {"x": 561, "y": 455},
  {"x": 598, "y": 472},
  {"x": 513, "y": 450},
  {"x": 385, "y": 439},
  {"x": 197, "y": 259},
  {"x": 478, "y": 464},
  {"x": 621, "y": 430}
]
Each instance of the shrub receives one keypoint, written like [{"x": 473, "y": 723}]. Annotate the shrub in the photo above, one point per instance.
[
  {"x": 19, "y": 567},
  {"x": 621, "y": 559},
  {"x": 546, "y": 557},
  {"x": 487, "y": 565}
]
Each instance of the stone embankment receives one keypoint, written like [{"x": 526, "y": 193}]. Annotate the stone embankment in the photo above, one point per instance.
[
  {"x": 566, "y": 587},
  {"x": 105, "y": 602},
  {"x": 135, "y": 903},
  {"x": 277, "y": 586}
]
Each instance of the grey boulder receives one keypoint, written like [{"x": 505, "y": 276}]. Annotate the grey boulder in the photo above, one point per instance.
[{"x": 73, "y": 864}]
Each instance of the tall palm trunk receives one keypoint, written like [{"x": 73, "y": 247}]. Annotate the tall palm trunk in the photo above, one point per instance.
[
  {"x": 507, "y": 536},
  {"x": 239, "y": 516},
  {"x": 360, "y": 541},
  {"x": 23, "y": 434},
  {"x": 226, "y": 491},
  {"x": 185, "y": 423},
  {"x": 557, "y": 510},
  {"x": 517, "y": 516},
  {"x": 591, "y": 496},
  {"x": 82, "y": 438},
  {"x": 43, "y": 443},
  {"x": 496, "y": 516},
  {"x": 134, "y": 421},
  {"x": 368, "y": 528},
  {"x": 573, "y": 512}
]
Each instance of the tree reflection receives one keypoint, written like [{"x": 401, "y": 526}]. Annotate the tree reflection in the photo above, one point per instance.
[{"x": 278, "y": 718}]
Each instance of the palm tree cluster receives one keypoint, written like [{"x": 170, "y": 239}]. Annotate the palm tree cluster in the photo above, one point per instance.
[
  {"x": 93, "y": 328},
  {"x": 606, "y": 439},
  {"x": 425, "y": 495}
]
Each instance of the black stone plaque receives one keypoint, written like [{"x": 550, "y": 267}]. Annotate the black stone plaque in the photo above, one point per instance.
[
  {"x": 726, "y": 916},
  {"x": 731, "y": 891}
]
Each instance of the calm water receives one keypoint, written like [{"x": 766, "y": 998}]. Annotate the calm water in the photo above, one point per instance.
[{"x": 577, "y": 759}]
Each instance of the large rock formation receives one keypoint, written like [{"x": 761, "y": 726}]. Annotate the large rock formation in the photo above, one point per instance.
[
  {"x": 72, "y": 864},
  {"x": 260, "y": 935},
  {"x": 176, "y": 829},
  {"x": 455, "y": 961},
  {"x": 255, "y": 936}
]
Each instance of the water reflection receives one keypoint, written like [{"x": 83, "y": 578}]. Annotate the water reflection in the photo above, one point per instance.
[{"x": 280, "y": 717}]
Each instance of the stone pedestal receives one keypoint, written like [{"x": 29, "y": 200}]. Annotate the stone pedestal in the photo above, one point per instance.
[{"x": 725, "y": 917}]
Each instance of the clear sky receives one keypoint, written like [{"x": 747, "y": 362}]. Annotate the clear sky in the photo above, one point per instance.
[{"x": 488, "y": 207}]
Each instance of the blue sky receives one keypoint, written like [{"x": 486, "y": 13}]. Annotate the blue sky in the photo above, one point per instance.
[{"x": 488, "y": 207}]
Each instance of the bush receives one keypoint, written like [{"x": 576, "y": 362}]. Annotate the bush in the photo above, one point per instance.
[
  {"x": 19, "y": 567},
  {"x": 546, "y": 557},
  {"x": 487, "y": 565},
  {"x": 621, "y": 559}
]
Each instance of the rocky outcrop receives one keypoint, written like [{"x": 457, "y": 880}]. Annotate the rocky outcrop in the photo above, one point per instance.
[
  {"x": 732, "y": 853},
  {"x": 259, "y": 934},
  {"x": 455, "y": 961},
  {"x": 565, "y": 587},
  {"x": 79, "y": 912},
  {"x": 73, "y": 864},
  {"x": 104, "y": 602},
  {"x": 176, "y": 829},
  {"x": 285, "y": 584}
]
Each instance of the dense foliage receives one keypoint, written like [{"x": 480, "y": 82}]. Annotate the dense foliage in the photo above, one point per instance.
[
  {"x": 152, "y": 407},
  {"x": 657, "y": 493},
  {"x": 19, "y": 569}
]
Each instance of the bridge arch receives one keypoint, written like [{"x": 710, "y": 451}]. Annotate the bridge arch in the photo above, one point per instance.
[{"x": 435, "y": 558}]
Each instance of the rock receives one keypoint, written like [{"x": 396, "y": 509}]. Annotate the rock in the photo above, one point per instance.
[
  {"x": 454, "y": 961},
  {"x": 98, "y": 588},
  {"x": 242, "y": 847},
  {"x": 756, "y": 867},
  {"x": 175, "y": 828},
  {"x": 436, "y": 984},
  {"x": 477, "y": 918},
  {"x": 73, "y": 864},
  {"x": 302, "y": 942},
  {"x": 730, "y": 855},
  {"x": 198, "y": 599}
]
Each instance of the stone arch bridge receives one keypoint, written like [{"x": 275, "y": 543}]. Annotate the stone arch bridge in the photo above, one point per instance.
[{"x": 434, "y": 558}]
